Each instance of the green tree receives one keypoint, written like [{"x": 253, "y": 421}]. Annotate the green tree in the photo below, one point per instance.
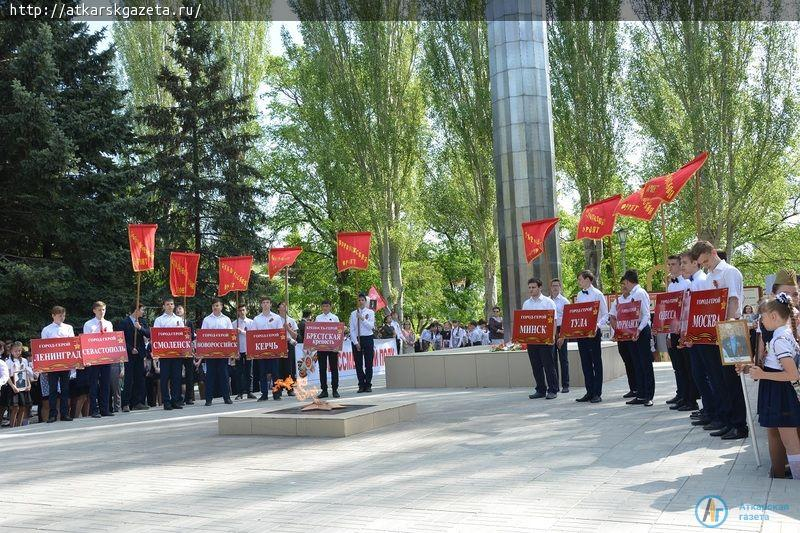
[
  {"x": 66, "y": 199},
  {"x": 585, "y": 71}
]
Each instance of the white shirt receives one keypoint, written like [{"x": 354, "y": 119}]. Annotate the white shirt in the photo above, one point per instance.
[
  {"x": 725, "y": 276},
  {"x": 367, "y": 324},
  {"x": 292, "y": 324},
  {"x": 677, "y": 286},
  {"x": 594, "y": 295},
  {"x": 220, "y": 321},
  {"x": 3, "y": 373},
  {"x": 637, "y": 294},
  {"x": 485, "y": 337},
  {"x": 697, "y": 281},
  {"x": 326, "y": 317},
  {"x": 476, "y": 336},
  {"x": 243, "y": 323},
  {"x": 457, "y": 337},
  {"x": 783, "y": 344},
  {"x": 560, "y": 302},
  {"x": 16, "y": 365},
  {"x": 538, "y": 304},
  {"x": 397, "y": 329},
  {"x": 270, "y": 321},
  {"x": 93, "y": 326},
  {"x": 168, "y": 321},
  {"x": 57, "y": 330}
]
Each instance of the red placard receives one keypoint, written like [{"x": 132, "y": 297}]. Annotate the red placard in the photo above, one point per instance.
[
  {"x": 217, "y": 343},
  {"x": 667, "y": 317},
  {"x": 580, "y": 320},
  {"x": 103, "y": 348},
  {"x": 267, "y": 344},
  {"x": 183, "y": 273},
  {"x": 280, "y": 258},
  {"x": 628, "y": 315},
  {"x": 234, "y": 273},
  {"x": 55, "y": 355},
  {"x": 323, "y": 336},
  {"x": 706, "y": 308},
  {"x": 352, "y": 250},
  {"x": 142, "y": 241},
  {"x": 171, "y": 343},
  {"x": 534, "y": 326}
]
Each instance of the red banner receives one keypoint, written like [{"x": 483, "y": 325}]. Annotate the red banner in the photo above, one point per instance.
[
  {"x": 706, "y": 308},
  {"x": 352, "y": 250},
  {"x": 217, "y": 343},
  {"x": 534, "y": 326},
  {"x": 142, "y": 240},
  {"x": 57, "y": 354},
  {"x": 627, "y": 320},
  {"x": 667, "y": 187},
  {"x": 580, "y": 320},
  {"x": 324, "y": 336},
  {"x": 267, "y": 344},
  {"x": 636, "y": 206},
  {"x": 533, "y": 235},
  {"x": 103, "y": 348},
  {"x": 667, "y": 316},
  {"x": 280, "y": 258},
  {"x": 171, "y": 343},
  {"x": 376, "y": 301},
  {"x": 183, "y": 273},
  {"x": 234, "y": 273},
  {"x": 597, "y": 219}
]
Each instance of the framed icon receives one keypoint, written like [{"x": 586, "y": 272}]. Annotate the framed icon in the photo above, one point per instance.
[{"x": 733, "y": 339}]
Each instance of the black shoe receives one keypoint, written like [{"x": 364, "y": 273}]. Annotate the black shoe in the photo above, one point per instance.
[
  {"x": 687, "y": 407},
  {"x": 696, "y": 415},
  {"x": 596, "y": 399},
  {"x": 635, "y": 401},
  {"x": 584, "y": 398},
  {"x": 290, "y": 392},
  {"x": 335, "y": 393},
  {"x": 263, "y": 398},
  {"x": 630, "y": 394},
  {"x": 536, "y": 395},
  {"x": 251, "y": 396},
  {"x": 238, "y": 397},
  {"x": 713, "y": 426},
  {"x": 179, "y": 402},
  {"x": 701, "y": 422},
  {"x": 107, "y": 414},
  {"x": 208, "y": 402},
  {"x": 276, "y": 396},
  {"x": 228, "y": 401},
  {"x": 51, "y": 419},
  {"x": 360, "y": 389},
  {"x": 177, "y": 405},
  {"x": 96, "y": 415},
  {"x": 675, "y": 406},
  {"x": 550, "y": 396},
  {"x": 735, "y": 434},
  {"x": 67, "y": 419},
  {"x": 141, "y": 407},
  {"x": 368, "y": 389},
  {"x": 648, "y": 403},
  {"x": 323, "y": 394},
  {"x": 564, "y": 390},
  {"x": 674, "y": 399},
  {"x": 189, "y": 402},
  {"x": 720, "y": 432},
  {"x": 168, "y": 407}
]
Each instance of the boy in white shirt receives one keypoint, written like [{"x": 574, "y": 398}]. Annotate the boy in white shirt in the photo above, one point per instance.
[
  {"x": 217, "y": 378},
  {"x": 99, "y": 375},
  {"x": 55, "y": 379},
  {"x": 541, "y": 356},
  {"x": 171, "y": 368},
  {"x": 590, "y": 349},
  {"x": 328, "y": 359}
]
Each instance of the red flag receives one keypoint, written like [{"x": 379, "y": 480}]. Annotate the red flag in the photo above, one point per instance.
[
  {"x": 142, "y": 240},
  {"x": 280, "y": 258},
  {"x": 636, "y": 206},
  {"x": 234, "y": 273},
  {"x": 352, "y": 250},
  {"x": 534, "y": 233},
  {"x": 183, "y": 273},
  {"x": 376, "y": 301},
  {"x": 597, "y": 219},
  {"x": 668, "y": 186}
]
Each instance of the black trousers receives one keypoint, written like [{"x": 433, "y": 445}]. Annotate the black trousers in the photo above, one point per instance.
[
  {"x": 287, "y": 365},
  {"x": 727, "y": 388},
  {"x": 682, "y": 364},
  {"x": 326, "y": 359},
  {"x": 244, "y": 375},
  {"x": 626, "y": 352},
  {"x": 99, "y": 388},
  {"x": 133, "y": 384},
  {"x": 543, "y": 365},
  {"x": 363, "y": 359},
  {"x": 561, "y": 357},
  {"x": 643, "y": 363},
  {"x": 188, "y": 379},
  {"x": 592, "y": 364},
  {"x": 54, "y": 378}
]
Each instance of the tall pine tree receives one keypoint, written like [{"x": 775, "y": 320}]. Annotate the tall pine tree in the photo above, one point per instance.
[
  {"x": 203, "y": 193},
  {"x": 65, "y": 196}
]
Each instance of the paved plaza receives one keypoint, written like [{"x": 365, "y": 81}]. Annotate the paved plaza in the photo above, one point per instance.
[{"x": 473, "y": 460}]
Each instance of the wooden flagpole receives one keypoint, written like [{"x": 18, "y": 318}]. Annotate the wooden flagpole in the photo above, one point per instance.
[
  {"x": 138, "y": 292},
  {"x": 664, "y": 242}
]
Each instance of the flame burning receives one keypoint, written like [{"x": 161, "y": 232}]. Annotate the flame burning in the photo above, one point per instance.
[
  {"x": 280, "y": 384},
  {"x": 302, "y": 391}
]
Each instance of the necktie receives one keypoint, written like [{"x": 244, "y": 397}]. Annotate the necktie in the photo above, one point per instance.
[
  {"x": 691, "y": 278},
  {"x": 585, "y": 292},
  {"x": 674, "y": 280}
]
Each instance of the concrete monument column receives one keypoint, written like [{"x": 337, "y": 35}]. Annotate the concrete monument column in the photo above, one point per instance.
[{"x": 523, "y": 142}]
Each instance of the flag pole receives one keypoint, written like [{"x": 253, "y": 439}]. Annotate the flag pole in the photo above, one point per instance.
[
  {"x": 750, "y": 421},
  {"x": 286, "y": 290},
  {"x": 664, "y": 242},
  {"x": 138, "y": 292}
]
